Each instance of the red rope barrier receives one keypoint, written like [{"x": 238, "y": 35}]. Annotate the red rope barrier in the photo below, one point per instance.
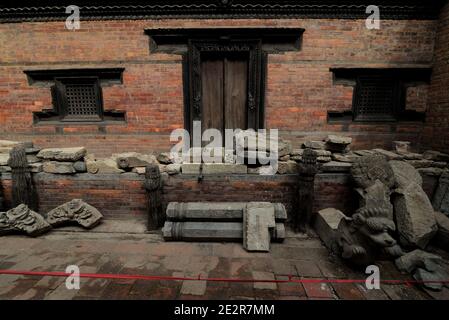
[{"x": 145, "y": 277}]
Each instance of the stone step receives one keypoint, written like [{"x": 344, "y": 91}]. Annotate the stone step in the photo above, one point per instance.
[
  {"x": 215, "y": 211},
  {"x": 212, "y": 231}
]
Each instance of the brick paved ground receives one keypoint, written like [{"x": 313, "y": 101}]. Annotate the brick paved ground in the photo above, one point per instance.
[{"x": 147, "y": 254}]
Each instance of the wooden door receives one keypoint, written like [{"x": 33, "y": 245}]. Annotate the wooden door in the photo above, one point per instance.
[{"x": 224, "y": 92}]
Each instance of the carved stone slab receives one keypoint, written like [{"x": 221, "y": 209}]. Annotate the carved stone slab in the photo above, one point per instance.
[
  {"x": 212, "y": 231},
  {"x": 367, "y": 169},
  {"x": 23, "y": 219},
  {"x": 77, "y": 211},
  {"x": 258, "y": 218}
]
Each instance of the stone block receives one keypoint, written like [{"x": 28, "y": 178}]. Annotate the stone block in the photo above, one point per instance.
[
  {"x": 36, "y": 167},
  {"x": 58, "y": 167},
  {"x": 350, "y": 158},
  {"x": 436, "y": 156},
  {"x": 4, "y": 159},
  {"x": 415, "y": 217},
  {"x": 405, "y": 174},
  {"x": 165, "y": 158},
  {"x": 314, "y": 144},
  {"x": 131, "y": 160},
  {"x": 334, "y": 166},
  {"x": 338, "y": 139},
  {"x": 102, "y": 166},
  {"x": 401, "y": 146},
  {"x": 173, "y": 168},
  {"x": 80, "y": 166},
  {"x": 326, "y": 225},
  {"x": 258, "y": 218},
  {"x": 62, "y": 154},
  {"x": 288, "y": 167},
  {"x": 388, "y": 154},
  {"x": 214, "y": 168}
]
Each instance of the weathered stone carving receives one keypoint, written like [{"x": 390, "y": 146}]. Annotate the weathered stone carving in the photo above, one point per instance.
[
  {"x": 441, "y": 198},
  {"x": 376, "y": 196},
  {"x": 22, "y": 219},
  {"x": 307, "y": 171},
  {"x": 366, "y": 236},
  {"x": 153, "y": 184},
  {"x": 367, "y": 169},
  {"x": 23, "y": 191},
  {"x": 425, "y": 267},
  {"x": 415, "y": 217},
  {"x": 414, "y": 214},
  {"x": 77, "y": 211}
]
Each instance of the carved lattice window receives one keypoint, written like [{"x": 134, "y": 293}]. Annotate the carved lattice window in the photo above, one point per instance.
[
  {"x": 78, "y": 99},
  {"x": 376, "y": 98}
]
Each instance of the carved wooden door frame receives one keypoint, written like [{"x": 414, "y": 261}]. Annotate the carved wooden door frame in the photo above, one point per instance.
[{"x": 256, "y": 71}]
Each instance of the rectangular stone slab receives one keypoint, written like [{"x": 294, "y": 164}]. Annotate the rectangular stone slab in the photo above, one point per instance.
[
  {"x": 215, "y": 211},
  {"x": 326, "y": 225},
  {"x": 258, "y": 219},
  {"x": 212, "y": 231}
]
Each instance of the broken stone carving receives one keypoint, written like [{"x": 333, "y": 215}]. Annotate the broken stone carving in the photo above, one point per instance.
[
  {"x": 441, "y": 197},
  {"x": 367, "y": 169},
  {"x": 23, "y": 191},
  {"x": 153, "y": 185},
  {"x": 75, "y": 211},
  {"x": 308, "y": 168},
  {"x": 366, "y": 236},
  {"x": 22, "y": 219},
  {"x": 414, "y": 214},
  {"x": 258, "y": 219},
  {"x": 427, "y": 268}
]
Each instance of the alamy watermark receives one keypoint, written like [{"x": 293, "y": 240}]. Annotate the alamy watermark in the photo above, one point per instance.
[{"x": 73, "y": 21}]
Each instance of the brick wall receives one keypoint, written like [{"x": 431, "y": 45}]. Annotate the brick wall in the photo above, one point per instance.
[
  {"x": 122, "y": 196},
  {"x": 300, "y": 88},
  {"x": 436, "y": 133}
]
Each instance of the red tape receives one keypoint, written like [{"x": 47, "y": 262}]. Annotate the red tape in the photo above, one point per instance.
[{"x": 144, "y": 277}]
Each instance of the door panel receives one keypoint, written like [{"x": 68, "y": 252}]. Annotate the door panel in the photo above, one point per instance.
[
  {"x": 212, "y": 79},
  {"x": 235, "y": 93}
]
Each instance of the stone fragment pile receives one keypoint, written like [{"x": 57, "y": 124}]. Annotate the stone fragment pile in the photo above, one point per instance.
[
  {"x": 254, "y": 223},
  {"x": 395, "y": 220}
]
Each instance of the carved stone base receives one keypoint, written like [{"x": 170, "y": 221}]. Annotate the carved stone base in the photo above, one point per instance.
[
  {"x": 75, "y": 211},
  {"x": 23, "y": 219}
]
